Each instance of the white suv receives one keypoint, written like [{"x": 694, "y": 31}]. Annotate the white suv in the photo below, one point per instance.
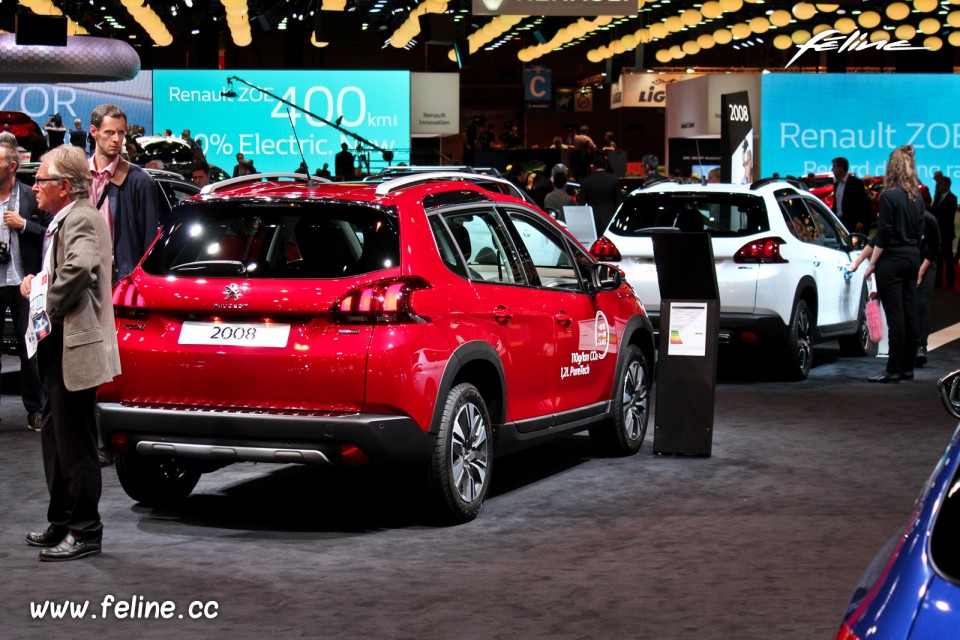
[{"x": 780, "y": 256}]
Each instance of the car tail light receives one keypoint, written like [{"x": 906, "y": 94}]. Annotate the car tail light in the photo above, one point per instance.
[
  {"x": 385, "y": 302},
  {"x": 118, "y": 443},
  {"x": 605, "y": 251},
  {"x": 127, "y": 301},
  {"x": 762, "y": 251}
]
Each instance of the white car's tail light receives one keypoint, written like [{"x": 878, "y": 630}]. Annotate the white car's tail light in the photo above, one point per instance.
[
  {"x": 605, "y": 251},
  {"x": 762, "y": 251}
]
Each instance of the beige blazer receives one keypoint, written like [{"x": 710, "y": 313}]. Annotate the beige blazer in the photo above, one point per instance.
[{"x": 79, "y": 296}]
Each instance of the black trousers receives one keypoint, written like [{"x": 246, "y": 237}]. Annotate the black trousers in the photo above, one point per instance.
[
  {"x": 68, "y": 436},
  {"x": 946, "y": 272},
  {"x": 897, "y": 271},
  {"x": 30, "y": 389},
  {"x": 924, "y": 294}
]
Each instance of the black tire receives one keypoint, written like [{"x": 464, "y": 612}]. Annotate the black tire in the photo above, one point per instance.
[
  {"x": 859, "y": 345},
  {"x": 155, "y": 480},
  {"x": 462, "y": 456},
  {"x": 624, "y": 432},
  {"x": 798, "y": 355}
]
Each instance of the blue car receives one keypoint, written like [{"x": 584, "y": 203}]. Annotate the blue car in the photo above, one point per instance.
[{"x": 912, "y": 587}]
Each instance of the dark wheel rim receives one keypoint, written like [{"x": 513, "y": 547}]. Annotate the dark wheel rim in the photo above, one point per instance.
[
  {"x": 864, "y": 330},
  {"x": 804, "y": 349},
  {"x": 636, "y": 401},
  {"x": 468, "y": 455}
]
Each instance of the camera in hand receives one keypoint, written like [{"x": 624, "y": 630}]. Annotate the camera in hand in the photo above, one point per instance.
[{"x": 4, "y": 253}]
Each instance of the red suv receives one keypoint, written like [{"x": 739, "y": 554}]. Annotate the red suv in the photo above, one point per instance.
[{"x": 423, "y": 321}]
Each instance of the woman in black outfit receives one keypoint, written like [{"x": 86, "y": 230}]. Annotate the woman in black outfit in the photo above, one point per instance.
[{"x": 896, "y": 261}]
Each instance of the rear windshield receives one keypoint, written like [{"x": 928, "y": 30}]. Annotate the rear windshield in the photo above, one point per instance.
[
  {"x": 721, "y": 215},
  {"x": 168, "y": 151},
  {"x": 267, "y": 240}
]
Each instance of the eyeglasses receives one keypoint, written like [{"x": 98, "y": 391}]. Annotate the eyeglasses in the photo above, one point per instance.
[{"x": 48, "y": 179}]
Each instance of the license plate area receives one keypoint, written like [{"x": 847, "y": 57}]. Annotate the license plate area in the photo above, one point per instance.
[{"x": 235, "y": 334}]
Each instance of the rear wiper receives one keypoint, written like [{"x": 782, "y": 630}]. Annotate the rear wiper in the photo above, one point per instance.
[{"x": 216, "y": 266}]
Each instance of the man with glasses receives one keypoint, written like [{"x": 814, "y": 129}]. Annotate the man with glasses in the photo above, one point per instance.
[
  {"x": 21, "y": 239},
  {"x": 76, "y": 354}
]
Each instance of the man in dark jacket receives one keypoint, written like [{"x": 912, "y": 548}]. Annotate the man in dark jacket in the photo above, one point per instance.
[
  {"x": 21, "y": 246},
  {"x": 850, "y": 201},
  {"x": 125, "y": 194},
  {"x": 944, "y": 209},
  {"x": 601, "y": 190}
]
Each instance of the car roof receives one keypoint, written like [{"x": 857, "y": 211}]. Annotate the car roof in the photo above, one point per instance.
[{"x": 766, "y": 185}]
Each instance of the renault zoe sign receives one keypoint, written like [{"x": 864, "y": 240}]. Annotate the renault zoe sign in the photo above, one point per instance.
[{"x": 555, "y": 7}]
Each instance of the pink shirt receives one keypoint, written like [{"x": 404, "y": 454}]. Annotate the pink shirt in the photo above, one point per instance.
[{"x": 100, "y": 181}]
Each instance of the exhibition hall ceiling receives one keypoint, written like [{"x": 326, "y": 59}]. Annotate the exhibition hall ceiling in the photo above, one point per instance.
[{"x": 673, "y": 32}]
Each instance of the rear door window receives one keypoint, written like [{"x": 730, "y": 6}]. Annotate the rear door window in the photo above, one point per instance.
[
  {"x": 310, "y": 241},
  {"x": 482, "y": 241}
]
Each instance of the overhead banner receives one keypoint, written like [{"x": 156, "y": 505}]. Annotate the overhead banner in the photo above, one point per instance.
[
  {"x": 801, "y": 136},
  {"x": 434, "y": 104},
  {"x": 643, "y": 89},
  {"x": 72, "y": 101},
  {"x": 555, "y": 7},
  {"x": 736, "y": 134},
  {"x": 536, "y": 87},
  {"x": 374, "y": 105}
]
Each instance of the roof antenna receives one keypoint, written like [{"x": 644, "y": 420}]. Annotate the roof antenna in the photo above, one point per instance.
[{"x": 300, "y": 148}]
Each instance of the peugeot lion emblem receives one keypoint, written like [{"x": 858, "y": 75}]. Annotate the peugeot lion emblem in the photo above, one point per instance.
[{"x": 232, "y": 292}]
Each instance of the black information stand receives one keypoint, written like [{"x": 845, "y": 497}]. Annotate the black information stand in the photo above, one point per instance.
[{"x": 689, "y": 322}]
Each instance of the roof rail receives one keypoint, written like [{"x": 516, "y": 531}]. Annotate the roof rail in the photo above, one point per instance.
[
  {"x": 791, "y": 181},
  {"x": 392, "y": 171},
  {"x": 653, "y": 180},
  {"x": 396, "y": 184},
  {"x": 260, "y": 177}
]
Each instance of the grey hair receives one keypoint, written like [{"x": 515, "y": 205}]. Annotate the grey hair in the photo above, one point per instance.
[
  {"x": 8, "y": 138},
  {"x": 71, "y": 164},
  {"x": 9, "y": 153}
]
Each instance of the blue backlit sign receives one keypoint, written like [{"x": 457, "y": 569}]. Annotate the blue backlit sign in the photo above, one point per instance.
[
  {"x": 374, "y": 105},
  {"x": 809, "y": 119}
]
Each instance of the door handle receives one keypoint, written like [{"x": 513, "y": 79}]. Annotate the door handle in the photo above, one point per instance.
[
  {"x": 563, "y": 318},
  {"x": 502, "y": 314}
]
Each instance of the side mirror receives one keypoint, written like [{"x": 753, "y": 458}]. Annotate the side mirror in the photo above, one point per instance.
[
  {"x": 949, "y": 389},
  {"x": 859, "y": 240},
  {"x": 606, "y": 277}
]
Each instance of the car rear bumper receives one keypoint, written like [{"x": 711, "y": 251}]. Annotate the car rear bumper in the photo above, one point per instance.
[
  {"x": 741, "y": 328},
  {"x": 222, "y": 436}
]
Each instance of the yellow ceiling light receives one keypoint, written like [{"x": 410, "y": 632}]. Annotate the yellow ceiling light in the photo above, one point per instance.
[
  {"x": 827, "y": 8},
  {"x": 898, "y": 11},
  {"x": 880, "y": 36},
  {"x": 954, "y": 39},
  {"x": 953, "y": 18},
  {"x": 820, "y": 28},
  {"x": 663, "y": 56},
  {"x": 933, "y": 43},
  {"x": 868, "y": 19},
  {"x": 660, "y": 31},
  {"x": 782, "y": 42},
  {"x": 629, "y": 41},
  {"x": 691, "y": 17},
  {"x": 741, "y": 30},
  {"x": 319, "y": 45},
  {"x": 845, "y": 25},
  {"x": 929, "y": 26},
  {"x": 759, "y": 25},
  {"x": 905, "y": 32},
  {"x": 722, "y": 36},
  {"x": 731, "y": 6},
  {"x": 925, "y": 6},
  {"x": 712, "y": 9},
  {"x": 642, "y": 35},
  {"x": 780, "y": 18},
  {"x": 804, "y": 10},
  {"x": 691, "y": 48},
  {"x": 593, "y": 56},
  {"x": 676, "y": 52},
  {"x": 674, "y": 24},
  {"x": 706, "y": 41},
  {"x": 800, "y": 36}
]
